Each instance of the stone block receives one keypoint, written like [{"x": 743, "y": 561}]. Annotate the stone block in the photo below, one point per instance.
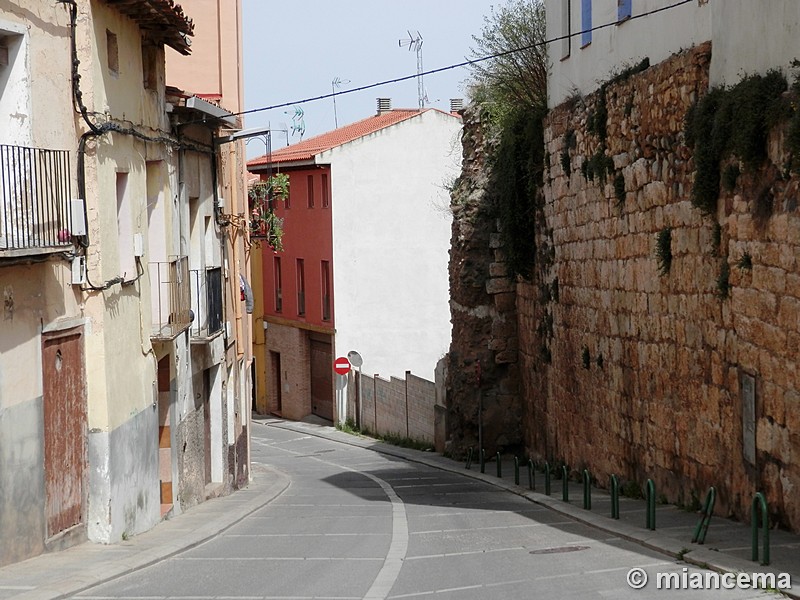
[{"x": 499, "y": 285}]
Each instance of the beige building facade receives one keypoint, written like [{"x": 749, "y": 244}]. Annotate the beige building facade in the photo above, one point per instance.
[{"x": 123, "y": 395}]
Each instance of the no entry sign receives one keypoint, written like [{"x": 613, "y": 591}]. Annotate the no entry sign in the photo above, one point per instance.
[{"x": 341, "y": 365}]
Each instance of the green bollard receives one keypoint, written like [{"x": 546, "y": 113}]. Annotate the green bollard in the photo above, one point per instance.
[
  {"x": 614, "y": 497},
  {"x": 651, "y": 505},
  {"x": 760, "y": 502},
  {"x": 587, "y": 490},
  {"x": 516, "y": 471},
  {"x": 469, "y": 458},
  {"x": 564, "y": 483},
  {"x": 547, "y": 478},
  {"x": 531, "y": 474},
  {"x": 483, "y": 460},
  {"x": 499, "y": 466}
]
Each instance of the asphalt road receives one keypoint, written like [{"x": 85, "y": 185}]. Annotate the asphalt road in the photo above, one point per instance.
[{"x": 358, "y": 524}]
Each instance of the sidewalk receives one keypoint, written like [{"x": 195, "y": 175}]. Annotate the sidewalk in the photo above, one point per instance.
[
  {"x": 727, "y": 548},
  {"x": 63, "y": 574}
]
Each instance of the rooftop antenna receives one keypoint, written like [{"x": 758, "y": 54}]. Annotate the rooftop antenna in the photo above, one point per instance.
[
  {"x": 414, "y": 42},
  {"x": 335, "y": 85}
]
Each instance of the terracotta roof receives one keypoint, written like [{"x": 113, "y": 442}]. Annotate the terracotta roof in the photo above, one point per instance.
[
  {"x": 162, "y": 21},
  {"x": 309, "y": 148}
]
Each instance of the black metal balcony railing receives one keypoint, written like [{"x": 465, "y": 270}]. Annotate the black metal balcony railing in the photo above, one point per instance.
[
  {"x": 35, "y": 194},
  {"x": 206, "y": 290},
  {"x": 171, "y": 313}
]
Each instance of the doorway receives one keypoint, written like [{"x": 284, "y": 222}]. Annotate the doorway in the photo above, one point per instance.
[{"x": 64, "y": 430}]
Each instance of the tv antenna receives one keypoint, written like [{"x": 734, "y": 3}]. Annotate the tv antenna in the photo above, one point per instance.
[
  {"x": 414, "y": 42},
  {"x": 335, "y": 85}
]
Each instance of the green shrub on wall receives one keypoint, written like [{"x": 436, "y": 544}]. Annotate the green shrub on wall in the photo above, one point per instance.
[
  {"x": 517, "y": 173},
  {"x": 732, "y": 122}
]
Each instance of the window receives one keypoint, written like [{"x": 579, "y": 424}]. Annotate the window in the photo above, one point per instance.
[
  {"x": 112, "y": 50},
  {"x": 326, "y": 196},
  {"x": 624, "y": 10},
  {"x": 278, "y": 291},
  {"x": 310, "y": 191},
  {"x": 586, "y": 23},
  {"x": 301, "y": 287},
  {"x": 149, "y": 67},
  {"x": 326, "y": 290},
  {"x": 566, "y": 31},
  {"x": 127, "y": 263}
]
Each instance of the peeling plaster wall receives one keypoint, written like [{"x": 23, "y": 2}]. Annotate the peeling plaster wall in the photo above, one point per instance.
[{"x": 124, "y": 495}]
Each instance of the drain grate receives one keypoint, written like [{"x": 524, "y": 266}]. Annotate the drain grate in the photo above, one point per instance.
[{"x": 559, "y": 550}]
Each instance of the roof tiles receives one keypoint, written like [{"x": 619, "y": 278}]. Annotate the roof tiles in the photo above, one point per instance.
[{"x": 309, "y": 148}]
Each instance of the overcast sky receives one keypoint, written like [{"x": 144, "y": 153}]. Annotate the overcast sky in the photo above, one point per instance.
[{"x": 294, "y": 51}]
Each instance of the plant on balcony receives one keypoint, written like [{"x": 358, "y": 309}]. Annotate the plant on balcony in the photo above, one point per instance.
[{"x": 263, "y": 196}]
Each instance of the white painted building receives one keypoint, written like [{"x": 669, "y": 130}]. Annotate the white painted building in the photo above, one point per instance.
[
  {"x": 384, "y": 226},
  {"x": 748, "y": 36}
]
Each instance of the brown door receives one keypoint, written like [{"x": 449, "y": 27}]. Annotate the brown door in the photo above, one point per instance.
[
  {"x": 322, "y": 377},
  {"x": 64, "y": 430},
  {"x": 276, "y": 399}
]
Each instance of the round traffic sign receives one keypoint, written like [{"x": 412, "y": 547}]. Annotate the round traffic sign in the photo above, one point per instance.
[{"x": 341, "y": 365}]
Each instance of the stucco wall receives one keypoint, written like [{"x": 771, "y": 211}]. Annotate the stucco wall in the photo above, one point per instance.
[
  {"x": 647, "y": 368},
  {"x": 656, "y": 36},
  {"x": 123, "y": 478},
  {"x": 391, "y": 231},
  {"x": 22, "y": 522},
  {"x": 749, "y": 36}
]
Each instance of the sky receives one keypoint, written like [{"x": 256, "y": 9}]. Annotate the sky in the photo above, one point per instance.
[{"x": 294, "y": 51}]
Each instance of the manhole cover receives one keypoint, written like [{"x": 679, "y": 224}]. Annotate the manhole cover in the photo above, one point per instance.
[{"x": 559, "y": 550}]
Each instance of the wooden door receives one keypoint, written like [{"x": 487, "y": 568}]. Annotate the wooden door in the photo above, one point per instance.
[
  {"x": 64, "y": 430},
  {"x": 322, "y": 378}
]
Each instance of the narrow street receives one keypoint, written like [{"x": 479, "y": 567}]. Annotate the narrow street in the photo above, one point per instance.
[{"x": 358, "y": 524}]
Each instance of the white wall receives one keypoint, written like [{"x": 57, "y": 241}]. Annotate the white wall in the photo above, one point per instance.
[
  {"x": 753, "y": 36},
  {"x": 612, "y": 48},
  {"x": 748, "y": 36},
  {"x": 391, "y": 239}
]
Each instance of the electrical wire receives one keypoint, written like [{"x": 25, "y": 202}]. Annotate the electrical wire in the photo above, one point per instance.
[{"x": 465, "y": 63}]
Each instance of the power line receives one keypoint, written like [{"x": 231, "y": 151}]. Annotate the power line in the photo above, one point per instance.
[{"x": 465, "y": 63}]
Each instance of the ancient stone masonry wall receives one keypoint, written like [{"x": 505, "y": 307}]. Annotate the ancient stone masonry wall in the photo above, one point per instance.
[
  {"x": 483, "y": 310},
  {"x": 645, "y": 374}
]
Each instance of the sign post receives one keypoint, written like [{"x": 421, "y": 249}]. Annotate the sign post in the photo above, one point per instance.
[{"x": 341, "y": 367}]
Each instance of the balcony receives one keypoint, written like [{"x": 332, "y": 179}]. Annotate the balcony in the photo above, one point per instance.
[
  {"x": 171, "y": 312},
  {"x": 35, "y": 191},
  {"x": 206, "y": 291}
]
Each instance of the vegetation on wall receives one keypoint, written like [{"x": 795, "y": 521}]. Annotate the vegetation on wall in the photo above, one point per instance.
[
  {"x": 732, "y": 122},
  {"x": 511, "y": 89},
  {"x": 664, "y": 250},
  {"x": 518, "y": 169}
]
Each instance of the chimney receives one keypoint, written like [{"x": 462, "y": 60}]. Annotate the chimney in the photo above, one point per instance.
[
  {"x": 384, "y": 105},
  {"x": 456, "y": 105}
]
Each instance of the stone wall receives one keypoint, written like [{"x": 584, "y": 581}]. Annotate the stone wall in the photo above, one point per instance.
[
  {"x": 630, "y": 371},
  {"x": 482, "y": 362}
]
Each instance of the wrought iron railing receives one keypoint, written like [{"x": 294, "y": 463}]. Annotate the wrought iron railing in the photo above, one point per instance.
[
  {"x": 35, "y": 194},
  {"x": 206, "y": 291},
  {"x": 171, "y": 312}
]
